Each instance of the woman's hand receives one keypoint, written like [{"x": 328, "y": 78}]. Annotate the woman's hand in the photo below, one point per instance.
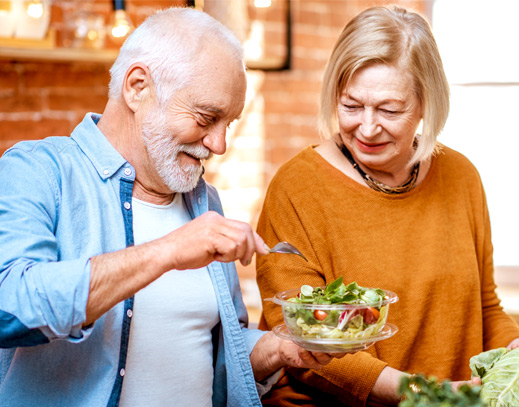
[
  {"x": 514, "y": 344},
  {"x": 475, "y": 381},
  {"x": 385, "y": 390}
]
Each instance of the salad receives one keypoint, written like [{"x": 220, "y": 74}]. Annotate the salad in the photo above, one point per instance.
[{"x": 337, "y": 311}]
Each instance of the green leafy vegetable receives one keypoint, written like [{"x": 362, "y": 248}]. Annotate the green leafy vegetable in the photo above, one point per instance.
[
  {"x": 420, "y": 391},
  {"x": 499, "y": 372},
  {"x": 363, "y": 321},
  {"x": 338, "y": 293}
]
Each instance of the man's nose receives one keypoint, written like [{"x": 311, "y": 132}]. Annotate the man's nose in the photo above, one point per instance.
[
  {"x": 369, "y": 125},
  {"x": 215, "y": 141}
]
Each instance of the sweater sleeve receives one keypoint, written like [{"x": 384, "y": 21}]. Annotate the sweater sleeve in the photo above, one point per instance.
[{"x": 351, "y": 378}]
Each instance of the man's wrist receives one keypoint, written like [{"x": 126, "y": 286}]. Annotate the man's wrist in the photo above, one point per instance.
[{"x": 265, "y": 357}]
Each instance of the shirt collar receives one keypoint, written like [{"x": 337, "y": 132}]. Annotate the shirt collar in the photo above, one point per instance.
[{"x": 104, "y": 157}]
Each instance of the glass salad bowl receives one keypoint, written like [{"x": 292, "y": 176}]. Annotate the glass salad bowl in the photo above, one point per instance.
[{"x": 335, "y": 318}]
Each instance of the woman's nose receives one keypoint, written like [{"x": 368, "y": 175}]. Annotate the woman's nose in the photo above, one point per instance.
[{"x": 369, "y": 125}]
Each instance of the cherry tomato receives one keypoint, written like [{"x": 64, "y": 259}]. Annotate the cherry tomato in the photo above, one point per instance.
[
  {"x": 371, "y": 315},
  {"x": 320, "y": 315}
]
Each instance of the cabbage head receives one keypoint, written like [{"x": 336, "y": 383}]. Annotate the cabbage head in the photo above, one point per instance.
[{"x": 499, "y": 373}]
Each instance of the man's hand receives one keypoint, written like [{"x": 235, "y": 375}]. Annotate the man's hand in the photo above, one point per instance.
[
  {"x": 118, "y": 275},
  {"x": 272, "y": 353},
  {"x": 211, "y": 237}
]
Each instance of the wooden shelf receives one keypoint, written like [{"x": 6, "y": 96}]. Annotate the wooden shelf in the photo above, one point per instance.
[
  {"x": 58, "y": 55},
  {"x": 46, "y": 50}
]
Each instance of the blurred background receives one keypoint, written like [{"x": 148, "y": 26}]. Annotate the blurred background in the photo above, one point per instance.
[{"x": 55, "y": 56}]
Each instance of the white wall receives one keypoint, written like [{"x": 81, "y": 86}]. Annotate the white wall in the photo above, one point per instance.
[{"x": 479, "y": 44}]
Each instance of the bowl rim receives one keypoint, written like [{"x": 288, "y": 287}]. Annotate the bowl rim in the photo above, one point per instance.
[{"x": 281, "y": 298}]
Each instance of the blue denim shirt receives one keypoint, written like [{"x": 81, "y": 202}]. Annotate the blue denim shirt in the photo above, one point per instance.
[{"x": 62, "y": 201}]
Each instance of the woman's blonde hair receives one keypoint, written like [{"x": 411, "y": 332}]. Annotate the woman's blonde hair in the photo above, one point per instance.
[{"x": 389, "y": 36}]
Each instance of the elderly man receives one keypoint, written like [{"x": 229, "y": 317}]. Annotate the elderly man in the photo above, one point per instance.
[{"x": 117, "y": 285}]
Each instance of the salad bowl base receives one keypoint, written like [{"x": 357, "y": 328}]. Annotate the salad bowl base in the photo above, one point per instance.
[{"x": 335, "y": 345}]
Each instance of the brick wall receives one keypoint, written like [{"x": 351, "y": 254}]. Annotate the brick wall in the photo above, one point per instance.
[{"x": 40, "y": 99}]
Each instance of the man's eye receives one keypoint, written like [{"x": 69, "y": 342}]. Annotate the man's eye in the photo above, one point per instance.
[
  {"x": 351, "y": 107},
  {"x": 389, "y": 111},
  {"x": 206, "y": 120}
]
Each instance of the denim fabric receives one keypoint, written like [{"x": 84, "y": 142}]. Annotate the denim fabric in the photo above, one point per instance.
[{"x": 62, "y": 201}]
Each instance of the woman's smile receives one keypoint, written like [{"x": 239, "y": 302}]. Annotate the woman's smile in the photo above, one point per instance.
[{"x": 370, "y": 147}]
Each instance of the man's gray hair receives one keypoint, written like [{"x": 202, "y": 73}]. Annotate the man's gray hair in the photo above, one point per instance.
[{"x": 168, "y": 43}]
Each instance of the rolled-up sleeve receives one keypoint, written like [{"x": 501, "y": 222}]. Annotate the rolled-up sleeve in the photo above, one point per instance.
[{"x": 42, "y": 297}]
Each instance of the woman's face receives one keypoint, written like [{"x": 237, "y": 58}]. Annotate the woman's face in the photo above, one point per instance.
[{"x": 379, "y": 113}]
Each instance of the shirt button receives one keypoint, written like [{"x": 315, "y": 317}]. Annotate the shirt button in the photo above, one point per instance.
[
  {"x": 127, "y": 205},
  {"x": 122, "y": 372},
  {"x": 129, "y": 313},
  {"x": 199, "y": 201},
  {"x": 127, "y": 171},
  {"x": 106, "y": 172}
]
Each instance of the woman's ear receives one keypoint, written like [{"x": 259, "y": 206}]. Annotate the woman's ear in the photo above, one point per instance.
[{"x": 137, "y": 86}]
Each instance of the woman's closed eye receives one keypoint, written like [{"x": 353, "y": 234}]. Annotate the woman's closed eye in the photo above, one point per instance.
[
  {"x": 352, "y": 107},
  {"x": 389, "y": 111}
]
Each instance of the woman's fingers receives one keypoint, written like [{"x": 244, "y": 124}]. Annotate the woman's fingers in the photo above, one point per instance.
[{"x": 514, "y": 344}]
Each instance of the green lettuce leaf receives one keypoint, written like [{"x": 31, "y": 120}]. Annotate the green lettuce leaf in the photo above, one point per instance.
[{"x": 499, "y": 373}]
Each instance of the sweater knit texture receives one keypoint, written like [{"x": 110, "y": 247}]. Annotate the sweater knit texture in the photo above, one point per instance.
[{"x": 432, "y": 246}]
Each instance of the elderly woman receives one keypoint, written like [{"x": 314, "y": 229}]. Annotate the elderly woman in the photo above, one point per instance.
[{"x": 382, "y": 205}]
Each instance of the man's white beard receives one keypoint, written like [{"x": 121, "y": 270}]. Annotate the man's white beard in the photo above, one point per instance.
[{"x": 163, "y": 152}]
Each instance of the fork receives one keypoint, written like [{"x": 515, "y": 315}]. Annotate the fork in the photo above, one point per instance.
[{"x": 284, "y": 247}]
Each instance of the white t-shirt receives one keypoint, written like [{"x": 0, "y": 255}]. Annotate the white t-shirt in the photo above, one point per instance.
[{"x": 170, "y": 352}]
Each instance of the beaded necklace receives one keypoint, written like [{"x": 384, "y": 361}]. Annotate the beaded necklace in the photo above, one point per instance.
[{"x": 377, "y": 185}]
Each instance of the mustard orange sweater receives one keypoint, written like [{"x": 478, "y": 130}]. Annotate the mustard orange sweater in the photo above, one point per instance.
[{"x": 432, "y": 246}]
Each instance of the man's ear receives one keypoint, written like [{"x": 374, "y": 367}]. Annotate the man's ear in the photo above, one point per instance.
[{"x": 137, "y": 86}]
